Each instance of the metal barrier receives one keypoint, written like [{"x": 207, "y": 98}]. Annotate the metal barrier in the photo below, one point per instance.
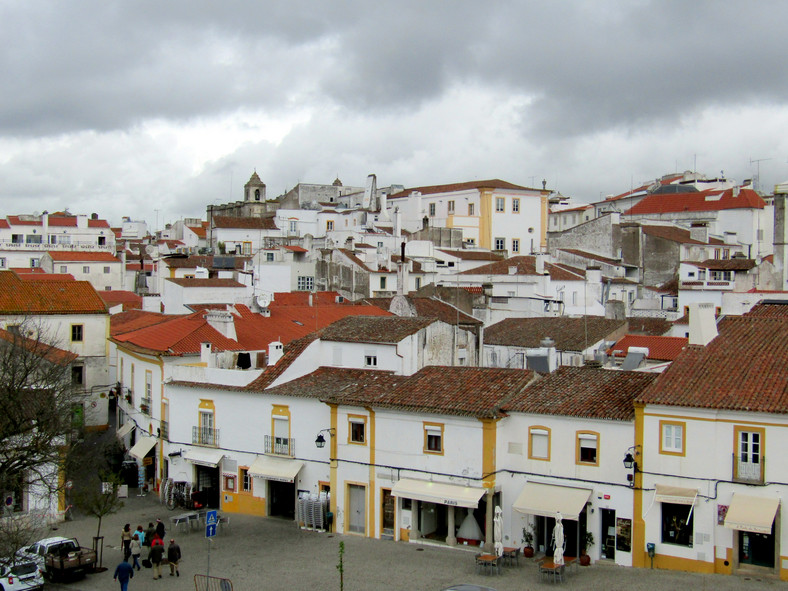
[{"x": 206, "y": 583}]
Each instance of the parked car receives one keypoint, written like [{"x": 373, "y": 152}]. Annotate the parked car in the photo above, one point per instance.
[
  {"x": 22, "y": 576},
  {"x": 60, "y": 558}
]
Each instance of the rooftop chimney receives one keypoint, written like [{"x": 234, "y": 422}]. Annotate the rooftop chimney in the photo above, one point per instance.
[
  {"x": 702, "y": 323},
  {"x": 275, "y": 352},
  {"x": 223, "y": 322},
  {"x": 205, "y": 355}
]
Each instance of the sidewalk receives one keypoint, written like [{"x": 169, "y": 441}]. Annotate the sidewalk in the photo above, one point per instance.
[{"x": 273, "y": 554}]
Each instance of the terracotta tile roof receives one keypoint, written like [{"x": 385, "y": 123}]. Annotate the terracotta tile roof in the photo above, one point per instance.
[
  {"x": 431, "y": 308},
  {"x": 415, "y": 267},
  {"x": 592, "y": 256},
  {"x": 301, "y": 298},
  {"x": 659, "y": 348},
  {"x": 526, "y": 265},
  {"x": 287, "y": 323},
  {"x": 266, "y": 223},
  {"x": 459, "y": 391},
  {"x": 676, "y": 235},
  {"x": 292, "y": 351},
  {"x": 294, "y": 248},
  {"x": 354, "y": 259},
  {"x": 472, "y": 255},
  {"x": 43, "y": 276},
  {"x": 743, "y": 369},
  {"x": 39, "y": 348},
  {"x": 183, "y": 282},
  {"x": 770, "y": 309},
  {"x": 374, "y": 329},
  {"x": 649, "y": 326},
  {"x": 584, "y": 392},
  {"x": 200, "y": 260},
  {"x": 450, "y": 188},
  {"x": 200, "y": 231},
  {"x": 734, "y": 264},
  {"x": 667, "y": 180},
  {"x": 47, "y": 297},
  {"x": 80, "y": 256},
  {"x": 58, "y": 221},
  {"x": 4, "y": 224},
  {"x": 709, "y": 200},
  {"x": 327, "y": 381},
  {"x": 477, "y": 289},
  {"x": 131, "y": 320},
  {"x": 569, "y": 334},
  {"x": 177, "y": 335},
  {"x": 129, "y": 299},
  {"x": 362, "y": 245}
]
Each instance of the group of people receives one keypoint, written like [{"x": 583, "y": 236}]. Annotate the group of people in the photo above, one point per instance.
[{"x": 133, "y": 542}]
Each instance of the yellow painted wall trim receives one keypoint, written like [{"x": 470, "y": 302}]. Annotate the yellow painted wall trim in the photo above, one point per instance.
[
  {"x": 715, "y": 420},
  {"x": 206, "y": 404},
  {"x": 489, "y": 436},
  {"x": 485, "y": 218},
  {"x": 372, "y": 511},
  {"x": 719, "y": 563},
  {"x": 639, "y": 555},
  {"x": 333, "y": 479}
]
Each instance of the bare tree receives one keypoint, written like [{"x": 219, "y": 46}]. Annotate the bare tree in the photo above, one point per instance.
[
  {"x": 99, "y": 499},
  {"x": 17, "y": 531},
  {"x": 37, "y": 402}
]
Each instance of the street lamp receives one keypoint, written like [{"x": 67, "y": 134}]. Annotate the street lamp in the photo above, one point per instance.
[
  {"x": 631, "y": 463},
  {"x": 320, "y": 441}
]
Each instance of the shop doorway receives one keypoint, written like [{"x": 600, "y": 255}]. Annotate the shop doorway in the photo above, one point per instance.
[
  {"x": 608, "y": 534},
  {"x": 756, "y": 549},
  {"x": 388, "y": 508},
  {"x": 574, "y": 531},
  {"x": 356, "y": 508},
  {"x": 207, "y": 490},
  {"x": 281, "y": 499}
]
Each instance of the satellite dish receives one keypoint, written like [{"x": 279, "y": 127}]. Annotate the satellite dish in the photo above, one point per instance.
[
  {"x": 150, "y": 249},
  {"x": 264, "y": 299}
]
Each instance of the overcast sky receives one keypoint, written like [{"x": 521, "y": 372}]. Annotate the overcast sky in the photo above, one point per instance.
[{"x": 123, "y": 108}]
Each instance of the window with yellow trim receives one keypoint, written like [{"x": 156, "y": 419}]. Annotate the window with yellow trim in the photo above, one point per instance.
[
  {"x": 357, "y": 429},
  {"x": 538, "y": 443},
  {"x": 246, "y": 480},
  {"x": 587, "y": 448},
  {"x": 672, "y": 435},
  {"x": 433, "y": 438}
]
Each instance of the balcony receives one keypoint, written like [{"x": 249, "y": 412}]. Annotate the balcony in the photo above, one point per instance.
[
  {"x": 747, "y": 471},
  {"x": 280, "y": 446},
  {"x": 205, "y": 436},
  {"x": 145, "y": 404}
]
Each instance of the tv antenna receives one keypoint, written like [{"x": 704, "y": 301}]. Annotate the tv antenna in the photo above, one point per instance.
[{"x": 758, "y": 173}]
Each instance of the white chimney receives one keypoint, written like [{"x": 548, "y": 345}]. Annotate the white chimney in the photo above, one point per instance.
[
  {"x": 539, "y": 263},
  {"x": 702, "y": 323},
  {"x": 384, "y": 206},
  {"x": 275, "y": 352},
  {"x": 397, "y": 223},
  {"x": 222, "y": 321},
  {"x": 205, "y": 355}
]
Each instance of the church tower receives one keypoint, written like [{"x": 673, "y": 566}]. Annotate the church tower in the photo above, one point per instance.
[{"x": 254, "y": 189}]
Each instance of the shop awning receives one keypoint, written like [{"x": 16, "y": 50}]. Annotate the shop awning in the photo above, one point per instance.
[
  {"x": 755, "y": 514},
  {"x": 440, "y": 493},
  {"x": 675, "y": 494},
  {"x": 142, "y": 447},
  {"x": 278, "y": 469},
  {"x": 537, "y": 498},
  {"x": 204, "y": 457},
  {"x": 127, "y": 428}
]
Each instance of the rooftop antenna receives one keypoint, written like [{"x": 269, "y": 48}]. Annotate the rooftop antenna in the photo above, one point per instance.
[{"x": 758, "y": 174}]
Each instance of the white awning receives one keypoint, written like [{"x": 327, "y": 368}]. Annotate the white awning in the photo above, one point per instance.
[
  {"x": 204, "y": 457},
  {"x": 755, "y": 514},
  {"x": 440, "y": 493},
  {"x": 127, "y": 428},
  {"x": 675, "y": 494},
  {"x": 537, "y": 498},
  {"x": 142, "y": 447},
  {"x": 279, "y": 469}
]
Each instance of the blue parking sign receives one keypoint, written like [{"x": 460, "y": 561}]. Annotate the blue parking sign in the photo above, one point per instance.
[
  {"x": 210, "y": 530},
  {"x": 211, "y": 521}
]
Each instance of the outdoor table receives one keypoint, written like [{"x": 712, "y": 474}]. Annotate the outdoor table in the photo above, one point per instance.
[
  {"x": 511, "y": 554},
  {"x": 183, "y": 519},
  {"x": 488, "y": 561},
  {"x": 548, "y": 568}
]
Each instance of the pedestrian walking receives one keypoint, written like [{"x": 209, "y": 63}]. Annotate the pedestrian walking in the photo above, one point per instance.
[
  {"x": 136, "y": 550},
  {"x": 160, "y": 529},
  {"x": 141, "y": 535},
  {"x": 149, "y": 533},
  {"x": 156, "y": 555},
  {"x": 124, "y": 572},
  {"x": 174, "y": 556},
  {"x": 125, "y": 541}
]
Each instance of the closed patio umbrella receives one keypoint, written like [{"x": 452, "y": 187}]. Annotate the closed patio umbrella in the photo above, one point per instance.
[
  {"x": 558, "y": 540},
  {"x": 498, "y": 531}
]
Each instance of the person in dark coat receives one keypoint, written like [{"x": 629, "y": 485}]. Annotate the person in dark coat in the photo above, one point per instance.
[
  {"x": 160, "y": 529},
  {"x": 156, "y": 556},
  {"x": 174, "y": 556},
  {"x": 149, "y": 533},
  {"x": 123, "y": 573}
]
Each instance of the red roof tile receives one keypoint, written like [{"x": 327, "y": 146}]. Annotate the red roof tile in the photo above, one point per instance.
[
  {"x": 592, "y": 256},
  {"x": 450, "y": 188},
  {"x": 659, "y": 348},
  {"x": 526, "y": 265},
  {"x": 431, "y": 308},
  {"x": 301, "y": 298},
  {"x": 43, "y": 276},
  {"x": 294, "y": 248},
  {"x": 584, "y": 392},
  {"x": 709, "y": 200},
  {"x": 183, "y": 282},
  {"x": 131, "y": 320},
  {"x": 770, "y": 309},
  {"x": 676, "y": 235},
  {"x": 82, "y": 256},
  {"x": 39, "y": 348},
  {"x": 374, "y": 329},
  {"x": 743, "y": 369},
  {"x": 47, "y": 297},
  {"x": 649, "y": 326},
  {"x": 129, "y": 299},
  {"x": 569, "y": 334},
  {"x": 734, "y": 264}
]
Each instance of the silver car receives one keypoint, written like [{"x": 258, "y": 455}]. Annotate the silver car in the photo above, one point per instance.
[{"x": 22, "y": 576}]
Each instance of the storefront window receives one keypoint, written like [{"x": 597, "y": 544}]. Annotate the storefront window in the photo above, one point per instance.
[{"x": 677, "y": 524}]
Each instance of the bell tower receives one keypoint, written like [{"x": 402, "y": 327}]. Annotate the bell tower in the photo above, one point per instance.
[{"x": 254, "y": 189}]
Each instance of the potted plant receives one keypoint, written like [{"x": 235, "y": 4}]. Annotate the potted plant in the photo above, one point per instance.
[
  {"x": 528, "y": 541},
  {"x": 587, "y": 542}
]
